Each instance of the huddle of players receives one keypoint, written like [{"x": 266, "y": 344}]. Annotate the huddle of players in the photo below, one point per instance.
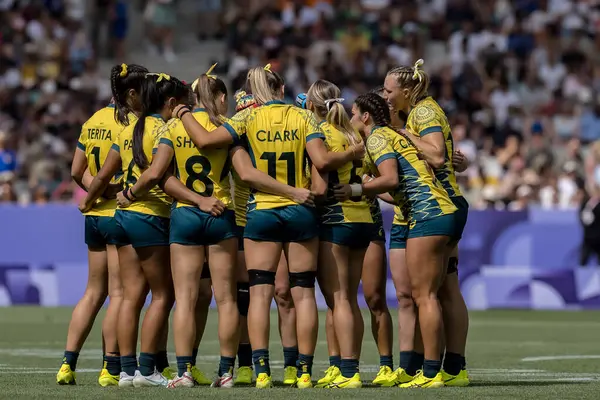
[{"x": 305, "y": 182}]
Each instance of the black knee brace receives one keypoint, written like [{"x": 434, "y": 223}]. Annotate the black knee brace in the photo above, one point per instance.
[
  {"x": 205, "y": 271},
  {"x": 303, "y": 279},
  {"x": 243, "y": 298},
  {"x": 260, "y": 277},
  {"x": 452, "y": 265}
]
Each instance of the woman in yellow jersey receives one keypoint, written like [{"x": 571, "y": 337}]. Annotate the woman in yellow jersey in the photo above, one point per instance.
[
  {"x": 430, "y": 213},
  {"x": 277, "y": 136},
  {"x": 405, "y": 89},
  {"x": 93, "y": 146},
  {"x": 144, "y": 225}
]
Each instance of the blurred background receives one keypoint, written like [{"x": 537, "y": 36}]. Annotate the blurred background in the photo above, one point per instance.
[{"x": 518, "y": 79}]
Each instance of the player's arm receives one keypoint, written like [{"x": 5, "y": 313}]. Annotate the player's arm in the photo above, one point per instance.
[
  {"x": 430, "y": 138},
  {"x": 263, "y": 182},
  {"x": 387, "y": 198},
  {"x": 319, "y": 182},
  {"x": 79, "y": 166},
  {"x": 327, "y": 161},
  {"x": 157, "y": 169},
  {"x": 199, "y": 135},
  {"x": 112, "y": 164},
  {"x": 460, "y": 161},
  {"x": 177, "y": 190}
]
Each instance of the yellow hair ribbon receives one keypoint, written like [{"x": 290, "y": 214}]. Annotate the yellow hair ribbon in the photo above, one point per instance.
[
  {"x": 211, "y": 70},
  {"x": 194, "y": 85},
  {"x": 239, "y": 94},
  {"x": 123, "y": 72},
  {"x": 417, "y": 74},
  {"x": 267, "y": 68},
  {"x": 161, "y": 76}
]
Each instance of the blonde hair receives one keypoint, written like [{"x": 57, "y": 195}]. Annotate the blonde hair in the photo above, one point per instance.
[
  {"x": 327, "y": 104},
  {"x": 412, "y": 78},
  {"x": 265, "y": 84},
  {"x": 207, "y": 89}
]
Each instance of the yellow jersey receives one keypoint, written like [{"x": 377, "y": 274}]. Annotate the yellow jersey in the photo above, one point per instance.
[
  {"x": 419, "y": 195},
  {"x": 241, "y": 193},
  {"x": 276, "y": 135},
  {"x": 427, "y": 117},
  {"x": 96, "y": 138},
  {"x": 354, "y": 209},
  {"x": 204, "y": 171},
  {"x": 155, "y": 201}
]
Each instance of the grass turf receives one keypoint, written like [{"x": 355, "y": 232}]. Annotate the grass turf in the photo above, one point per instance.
[{"x": 511, "y": 354}]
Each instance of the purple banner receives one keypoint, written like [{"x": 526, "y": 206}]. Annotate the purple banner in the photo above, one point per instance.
[{"x": 521, "y": 259}]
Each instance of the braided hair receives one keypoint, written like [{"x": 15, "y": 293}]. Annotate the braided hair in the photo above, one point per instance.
[
  {"x": 376, "y": 106},
  {"x": 123, "y": 78},
  {"x": 412, "y": 78}
]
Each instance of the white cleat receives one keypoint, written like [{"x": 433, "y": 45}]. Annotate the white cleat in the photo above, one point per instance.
[
  {"x": 185, "y": 380},
  {"x": 156, "y": 379},
  {"x": 125, "y": 380},
  {"x": 224, "y": 381}
]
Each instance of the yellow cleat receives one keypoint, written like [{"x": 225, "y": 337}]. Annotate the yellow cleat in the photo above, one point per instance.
[
  {"x": 244, "y": 376},
  {"x": 402, "y": 377},
  {"x": 460, "y": 380},
  {"x": 289, "y": 375},
  {"x": 385, "y": 377},
  {"x": 330, "y": 374},
  {"x": 264, "y": 381},
  {"x": 169, "y": 373},
  {"x": 106, "y": 379},
  {"x": 199, "y": 377},
  {"x": 65, "y": 375},
  {"x": 346, "y": 383},
  {"x": 304, "y": 382},
  {"x": 421, "y": 381}
]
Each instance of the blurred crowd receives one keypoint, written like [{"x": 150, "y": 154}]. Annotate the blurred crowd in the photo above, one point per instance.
[{"x": 518, "y": 79}]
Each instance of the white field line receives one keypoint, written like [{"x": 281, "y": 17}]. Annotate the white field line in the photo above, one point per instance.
[{"x": 565, "y": 357}]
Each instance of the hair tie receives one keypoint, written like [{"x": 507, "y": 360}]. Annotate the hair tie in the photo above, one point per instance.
[
  {"x": 208, "y": 73},
  {"x": 160, "y": 75},
  {"x": 329, "y": 102},
  {"x": 267, "y": 68},
  {"x": 194, "y": 85},
  {"x": 123, "y": 72},
  {"x": 417, "y": 74}
]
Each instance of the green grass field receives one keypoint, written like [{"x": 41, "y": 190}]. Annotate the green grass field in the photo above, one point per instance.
[{"x": 511, "y": 354}]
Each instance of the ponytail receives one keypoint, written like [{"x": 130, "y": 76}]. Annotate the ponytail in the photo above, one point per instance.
[
  {"x": 265, "y": 84},
  {"x": 207, "y": 89},
  {"x": 122, "y": 79},
  {"x": 139, "y": 156},
  {"x": 327, "y": 105}
]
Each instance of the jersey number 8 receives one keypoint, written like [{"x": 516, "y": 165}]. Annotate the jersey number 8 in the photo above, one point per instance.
[{"x": 191, "y": 166}]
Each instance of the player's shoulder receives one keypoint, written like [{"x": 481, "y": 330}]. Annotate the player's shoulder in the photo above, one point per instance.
[
  {"x": 379, "y": 139},
  {"x": 426, "y": 111}
]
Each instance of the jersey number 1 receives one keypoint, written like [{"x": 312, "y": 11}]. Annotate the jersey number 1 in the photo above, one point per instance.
[{"x": 287, "y": 156}]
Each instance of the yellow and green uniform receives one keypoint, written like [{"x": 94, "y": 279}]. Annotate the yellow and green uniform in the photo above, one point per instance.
[
  {"x": 146, "y": 221},
  {"x": 276, "y": 135},
  {"x": 96, "y": 138},
  {"x": 241, "y": 193},
  {"x": 206, "y": 172},
  {"x": 348, "y": 223},
  {"x": 428, "y": 117},
  {"x": 420, "y": 197}
]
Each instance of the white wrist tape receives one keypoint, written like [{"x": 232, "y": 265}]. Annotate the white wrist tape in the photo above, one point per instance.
[{"x": 356, "y": 190}]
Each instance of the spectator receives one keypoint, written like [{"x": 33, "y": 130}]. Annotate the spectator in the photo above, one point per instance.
[
  {"x": 161, "y": 16},
  {"x": 8, "y": 160}
]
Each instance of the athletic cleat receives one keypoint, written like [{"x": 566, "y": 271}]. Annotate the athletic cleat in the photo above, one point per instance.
[
  {"x": 421, "y": 381},
  {"x": 400, "y": 377},
  {"x": 346, "y": 383},
  {"x": 330, "y": 374},
  {"x": 289, "y": 375},
  {"x": 65, "y": 375},
  {"x": 304, "y": 382},
  {"x": 126, "y": 380},
  {"x": 263, "y": 381},
  {"x": 186, "y": 380},
  {"x": 385, "y": 377},
  {"x": 156, "y": 379},
  {"x": 106, "y": 379},
  {"x": 169, "y": 373},
  {"x": 199, "y": 377},
  {"x": 223, "y": 381},
  {"x": 244, "y": 376},
  {"x": 460, "y": 380}
]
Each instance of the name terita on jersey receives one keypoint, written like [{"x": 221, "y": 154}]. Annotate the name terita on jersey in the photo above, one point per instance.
[{"x": 99, "y": 134}]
